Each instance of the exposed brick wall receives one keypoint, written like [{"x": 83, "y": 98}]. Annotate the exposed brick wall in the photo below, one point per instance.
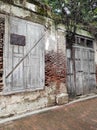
[
  {"x": 55, "y": 68},
  {"x": 2, "y": 24}
]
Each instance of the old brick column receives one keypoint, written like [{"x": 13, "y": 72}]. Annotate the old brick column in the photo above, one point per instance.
[{"x": 55, "y": 68}]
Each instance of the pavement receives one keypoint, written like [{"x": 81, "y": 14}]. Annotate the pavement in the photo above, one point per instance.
[{"x": 80, "y": 115}]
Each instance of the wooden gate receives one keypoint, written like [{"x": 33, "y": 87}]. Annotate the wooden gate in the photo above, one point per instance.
[{"x": 81, "y": 78}]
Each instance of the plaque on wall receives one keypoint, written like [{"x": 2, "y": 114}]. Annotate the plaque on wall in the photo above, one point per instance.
[{"x": 16, "y": 39}]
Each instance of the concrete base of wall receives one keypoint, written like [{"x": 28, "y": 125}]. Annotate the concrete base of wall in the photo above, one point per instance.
[
  {"x": 62, "y": 99},
  {"x": 22, "y": 103}
]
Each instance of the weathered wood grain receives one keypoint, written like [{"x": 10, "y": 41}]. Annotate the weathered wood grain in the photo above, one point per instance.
[
  {"x": 83, "y": 72},
  {"x": 29, "y": 74}
]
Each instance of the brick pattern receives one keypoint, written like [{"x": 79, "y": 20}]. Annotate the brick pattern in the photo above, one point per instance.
[
  {"x": 55, "y": 68},
  {"x": 2, "y": 24}
]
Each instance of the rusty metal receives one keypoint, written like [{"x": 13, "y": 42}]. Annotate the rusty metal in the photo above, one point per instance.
[{"x": 16, "y": 39}]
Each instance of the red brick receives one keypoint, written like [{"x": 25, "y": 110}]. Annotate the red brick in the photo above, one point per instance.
[{"x": 55, "y": 68}]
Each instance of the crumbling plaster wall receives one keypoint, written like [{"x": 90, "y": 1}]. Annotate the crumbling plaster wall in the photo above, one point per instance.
[
  {"x": 56, "y": 57},
  {"x": 55, "y": 91}
]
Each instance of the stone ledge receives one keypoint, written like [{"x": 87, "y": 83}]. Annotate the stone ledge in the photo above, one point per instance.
[{"x": 62, "y": 99}]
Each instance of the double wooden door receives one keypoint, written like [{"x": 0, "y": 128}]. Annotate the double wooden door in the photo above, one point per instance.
[{"x": 81, "y": 77}]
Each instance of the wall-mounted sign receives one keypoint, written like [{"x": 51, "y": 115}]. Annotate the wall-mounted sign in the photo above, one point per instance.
[{"x": 16, "y": 39}]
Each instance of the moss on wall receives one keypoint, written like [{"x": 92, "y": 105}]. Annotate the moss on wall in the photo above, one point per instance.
[
  {"x": 41, "y": 9},
  {"x": 6, "y": 1}
]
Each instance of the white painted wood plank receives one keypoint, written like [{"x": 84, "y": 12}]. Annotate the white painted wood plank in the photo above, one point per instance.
[{"x": 29, "y": 73}]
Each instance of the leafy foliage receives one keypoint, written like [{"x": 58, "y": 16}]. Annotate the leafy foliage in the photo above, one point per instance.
[{"x": 76, "y": 12}]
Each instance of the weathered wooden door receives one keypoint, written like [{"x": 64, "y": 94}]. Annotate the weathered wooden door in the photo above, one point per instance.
[
  {"x": 81, "y": 78},
  {"x": 23, "y": 56}
]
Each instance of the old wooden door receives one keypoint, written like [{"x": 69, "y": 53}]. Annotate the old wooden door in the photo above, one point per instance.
[
  {"x": 27, "y": 75},
  {"x": 81, "y": 77}
]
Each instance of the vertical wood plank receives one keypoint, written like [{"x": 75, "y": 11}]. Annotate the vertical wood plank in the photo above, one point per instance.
[{"x": 30, "y": 73}]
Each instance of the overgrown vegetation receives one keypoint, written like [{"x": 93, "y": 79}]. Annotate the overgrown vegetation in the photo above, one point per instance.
[{"x": 76, "y": 13}]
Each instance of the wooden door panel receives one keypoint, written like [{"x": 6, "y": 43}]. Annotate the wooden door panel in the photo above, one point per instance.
[
  {"x": 79, "y": 83},
  {"x": 18, "y": 78},
  {"x": 83, "y": 77},
  {"x": 70, "y": 67},
  {"x": 29, "y": 74},
  {"x": 71, "y": 85}
]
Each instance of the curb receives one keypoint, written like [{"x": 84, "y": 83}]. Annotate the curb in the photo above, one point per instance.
[{"x": 84, "y": 98}]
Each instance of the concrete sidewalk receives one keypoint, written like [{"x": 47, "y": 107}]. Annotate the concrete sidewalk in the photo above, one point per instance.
[{"x": 75, "y": 116}]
